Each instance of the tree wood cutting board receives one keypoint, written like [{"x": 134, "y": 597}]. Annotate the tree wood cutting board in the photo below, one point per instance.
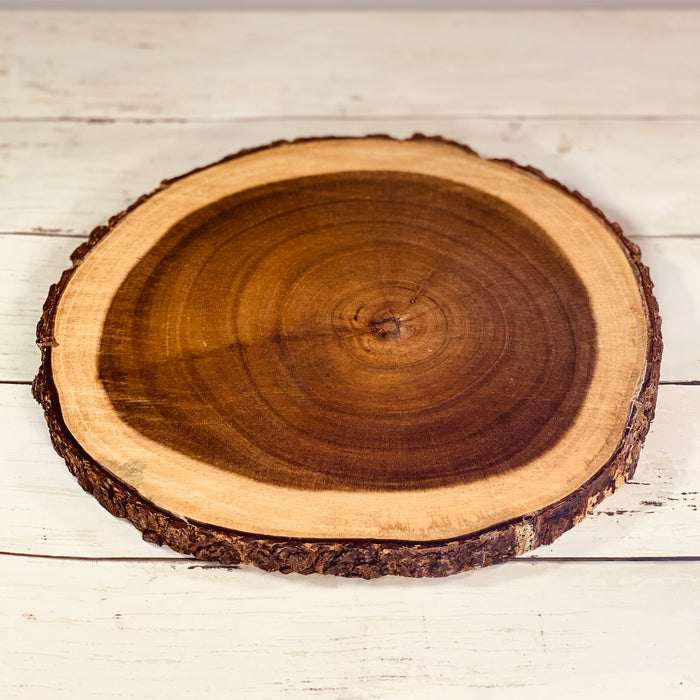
[{"x": 353, "y": 356}]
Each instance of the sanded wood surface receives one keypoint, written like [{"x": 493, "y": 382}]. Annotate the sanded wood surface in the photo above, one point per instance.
[{"x": 354, "y": 339}]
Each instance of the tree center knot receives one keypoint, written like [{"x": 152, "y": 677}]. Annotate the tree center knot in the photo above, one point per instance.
[{"x": 389, "y": 327}]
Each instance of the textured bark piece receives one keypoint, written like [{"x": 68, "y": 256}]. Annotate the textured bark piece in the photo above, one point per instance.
[{"x": 400, "y": 328}]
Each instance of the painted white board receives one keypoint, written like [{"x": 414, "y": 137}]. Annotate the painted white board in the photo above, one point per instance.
[{"x": 186, "y": 65}]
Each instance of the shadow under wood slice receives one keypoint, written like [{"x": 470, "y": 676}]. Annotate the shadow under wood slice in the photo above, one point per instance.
[{"x": 353, "y": 356}]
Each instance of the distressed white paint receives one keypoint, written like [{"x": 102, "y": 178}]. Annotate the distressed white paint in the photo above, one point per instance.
[
  {"x": 71, "y": 176},
  {"x": 220, "y": 65},
  {"x": 28, "y": 266},
  {"x": 675, "y": 269},
  {"x": 523, "y": 630}
]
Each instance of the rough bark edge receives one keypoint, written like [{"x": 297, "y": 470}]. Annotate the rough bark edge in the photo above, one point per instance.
[{"x": 353, "y": 558}]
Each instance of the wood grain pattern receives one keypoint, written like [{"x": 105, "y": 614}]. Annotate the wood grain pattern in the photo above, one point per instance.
[
  {"x": 30, "y": 263},
  {"x": 214, "y": 65},
  {"x": 654, "y": 515},
  {"x": 607, "y": 158},
  {"x": 592, "y": 454},
  {"x": 367, "y": 330},
  {"x": 572, "y": 628},
  {"x": 514, "y": 631}
]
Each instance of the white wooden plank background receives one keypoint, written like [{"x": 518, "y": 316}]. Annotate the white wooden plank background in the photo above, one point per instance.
[
  {"x": 219, "y": 65},
  {"x": 96, "y": 109},
  {"x": 524, "y": 630},
  {"x": 642, "y": 172}
]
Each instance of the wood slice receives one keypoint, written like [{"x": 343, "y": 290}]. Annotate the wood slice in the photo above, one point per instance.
[{"x": 353, "y": 356}]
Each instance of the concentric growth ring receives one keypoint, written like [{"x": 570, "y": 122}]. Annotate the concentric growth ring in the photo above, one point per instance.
[{"x": 370, "y": 330}]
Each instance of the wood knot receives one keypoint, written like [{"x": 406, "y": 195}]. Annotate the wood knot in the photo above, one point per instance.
[{"x": 386, "y": 328}]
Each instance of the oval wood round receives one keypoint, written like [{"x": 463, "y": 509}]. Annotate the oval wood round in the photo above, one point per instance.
[{"x": 353, "y": 356}]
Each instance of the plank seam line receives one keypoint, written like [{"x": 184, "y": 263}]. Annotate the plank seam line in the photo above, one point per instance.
[
  {"x": 91, "y": 119},
  {"x": 689, "y": 382},
  {"x": 680, "y": 382},
  {"x": 661, "y": 236},
  {"x": 669, "y": 382},
  {"x": 54, "y": 233},
  {"x": 190, "y": 560},
  {"x": 70, "y": 233}
]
